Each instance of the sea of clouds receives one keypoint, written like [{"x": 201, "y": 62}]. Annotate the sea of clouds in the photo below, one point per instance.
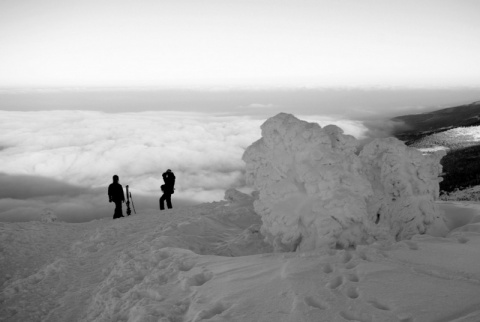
[{"x": 64, "y": 160}]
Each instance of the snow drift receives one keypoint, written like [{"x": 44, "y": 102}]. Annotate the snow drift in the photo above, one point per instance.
[
  {"x": 188, "y": 265},
  {"x": 318, "y": 187}
]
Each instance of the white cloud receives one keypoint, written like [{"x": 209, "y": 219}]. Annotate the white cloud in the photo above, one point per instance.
[
  {"x": 383, "y": 128},
  {"x": 350, "y": 127},
  {"x": 84, "y": 149},
  {"x": 87, "y": 148}
]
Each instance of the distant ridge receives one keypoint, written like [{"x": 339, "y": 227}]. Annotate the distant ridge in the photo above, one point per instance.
[
  {"x": 455, "y": 130},
  {"x": 427, "y": 123}
]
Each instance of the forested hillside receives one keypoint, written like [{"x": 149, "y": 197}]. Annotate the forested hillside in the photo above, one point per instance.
[
  {"x": 420, "y": 125},
  {"x": 455, "y": 130}
]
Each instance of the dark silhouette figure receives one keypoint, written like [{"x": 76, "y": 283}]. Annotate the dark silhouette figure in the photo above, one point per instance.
[
  {"x": 167, "y": 189},
  {"x": 115, "y": 194}
]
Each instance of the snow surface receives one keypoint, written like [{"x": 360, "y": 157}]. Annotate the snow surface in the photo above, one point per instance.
[
  {"x": 471, "y": 133},
  {"x": 318, "y": 187},
  {"x": 210, "y": 263},
  {"x": 217, "y": 261},
  {"x": 433, "y": 149}
]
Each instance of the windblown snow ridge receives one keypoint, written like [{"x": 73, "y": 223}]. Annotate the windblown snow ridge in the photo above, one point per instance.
[{"x": 318, "y": 187}]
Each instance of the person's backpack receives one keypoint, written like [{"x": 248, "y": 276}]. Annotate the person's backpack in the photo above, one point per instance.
[{"x": 164, "y": 190}]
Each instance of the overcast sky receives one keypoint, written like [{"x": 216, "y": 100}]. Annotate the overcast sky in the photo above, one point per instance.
[{"x": 179, "y": 43}]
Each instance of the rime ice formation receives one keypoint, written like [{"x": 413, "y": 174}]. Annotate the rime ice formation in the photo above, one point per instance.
[
  {"x": 405, "y": 185},
  {"x": 316, "y": 188}
]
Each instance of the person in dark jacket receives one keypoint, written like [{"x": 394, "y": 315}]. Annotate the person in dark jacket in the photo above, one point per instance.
[
  {"x": 115, "y": 194},
  {"x": 167, "y": 189}
]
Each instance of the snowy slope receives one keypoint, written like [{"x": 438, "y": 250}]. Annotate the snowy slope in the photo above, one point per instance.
[{"x": 209, "y": 263}]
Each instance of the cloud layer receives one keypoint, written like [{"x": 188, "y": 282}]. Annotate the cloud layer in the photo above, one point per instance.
[{"x": 66, "y": 159}]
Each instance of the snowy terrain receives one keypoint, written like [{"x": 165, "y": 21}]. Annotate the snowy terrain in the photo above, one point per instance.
[
  {"x": 468, "y": 134},
  {"x": 448, "y": 139},
  {"x": 371, "y": 241},
  {"x": 209, "y": 263}
]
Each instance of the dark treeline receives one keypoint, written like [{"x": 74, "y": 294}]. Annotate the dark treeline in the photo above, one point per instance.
[
  {"x": 461, "y": 164},
  {"x": 462, "y": 168}
]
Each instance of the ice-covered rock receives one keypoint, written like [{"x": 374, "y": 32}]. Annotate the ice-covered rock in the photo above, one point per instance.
[
  {"x": 405, "y": 184},
  {"x": 317, "y": 189}
]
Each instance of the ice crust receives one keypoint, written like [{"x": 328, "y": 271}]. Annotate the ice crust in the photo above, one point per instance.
[{"x": 318, "y": 187}]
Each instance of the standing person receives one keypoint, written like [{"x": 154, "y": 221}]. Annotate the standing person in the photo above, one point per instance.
[
  {"x": 167, "y": 189},
  {"x": 115, "y": 194}
]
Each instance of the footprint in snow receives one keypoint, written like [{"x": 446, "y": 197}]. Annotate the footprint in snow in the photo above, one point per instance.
[
  {"x": 350, "y": 265},
  {"x": 352, "y": 277},
  {"x": 198, "y": 279},
  {"x": 462, "y": 240},
  {"x": 352, "y": 292},
  {"x": 350, "y": 316},
  {"x": 335, "y": 282},
  {"x": 186, "y": 266},
  {"x": 217, "y": 309},
  {"x": 327, "y": 269},
  {"x": 315, "y": 303},
  {"x": 380, "y": 306},
  {"x": 347, "y": 257}
]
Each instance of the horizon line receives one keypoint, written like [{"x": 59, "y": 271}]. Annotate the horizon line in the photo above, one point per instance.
[{"x": 53, "y": 89}]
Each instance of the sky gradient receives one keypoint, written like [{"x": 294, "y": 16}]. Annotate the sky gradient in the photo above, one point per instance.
[{"x": 261, "y": 43}]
